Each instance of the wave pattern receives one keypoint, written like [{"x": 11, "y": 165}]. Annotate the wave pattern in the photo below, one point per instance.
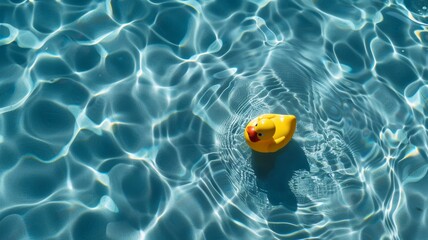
[{"x": 123, "y": 119}]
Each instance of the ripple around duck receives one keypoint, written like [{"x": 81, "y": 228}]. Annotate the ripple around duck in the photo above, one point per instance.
[{"x": 261, "y": 96}]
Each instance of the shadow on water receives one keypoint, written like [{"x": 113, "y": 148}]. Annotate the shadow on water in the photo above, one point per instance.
[{"x": 275, "y": 170}]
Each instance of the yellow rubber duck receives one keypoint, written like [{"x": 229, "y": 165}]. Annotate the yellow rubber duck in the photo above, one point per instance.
[{"x": 270, "y": 132}]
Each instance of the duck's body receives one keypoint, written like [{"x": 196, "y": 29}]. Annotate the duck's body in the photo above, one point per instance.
[{"x": 270, "y": 132}]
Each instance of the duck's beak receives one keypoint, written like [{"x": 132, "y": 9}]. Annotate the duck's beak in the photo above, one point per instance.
[{"x": 252, "y": 134}]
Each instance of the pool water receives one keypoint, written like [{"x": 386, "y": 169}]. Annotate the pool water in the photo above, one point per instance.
[{"x": 123, "y": 119}]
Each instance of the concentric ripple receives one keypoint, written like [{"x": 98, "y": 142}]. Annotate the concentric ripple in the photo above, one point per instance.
[{"x": 124, "y": 119}]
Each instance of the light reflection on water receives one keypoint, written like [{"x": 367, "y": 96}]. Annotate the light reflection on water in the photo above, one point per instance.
[{"x": 123, "y": 119}]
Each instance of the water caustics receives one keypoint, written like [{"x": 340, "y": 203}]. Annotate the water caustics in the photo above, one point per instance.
[{"x": 123, "y": 119}]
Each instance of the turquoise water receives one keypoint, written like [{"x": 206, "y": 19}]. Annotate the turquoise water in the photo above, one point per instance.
[{"x": 124, "y": 119}]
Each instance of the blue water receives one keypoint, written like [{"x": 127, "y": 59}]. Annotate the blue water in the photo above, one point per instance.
[{"x": 123, "y": 119}]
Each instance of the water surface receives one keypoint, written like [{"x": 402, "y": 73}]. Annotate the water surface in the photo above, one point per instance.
[{"x": 123, "y": 119}]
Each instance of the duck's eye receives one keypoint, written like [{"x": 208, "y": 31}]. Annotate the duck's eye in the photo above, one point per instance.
[
  {"x": 256, "y": 124},
  {"x": 260, "y": 134}
]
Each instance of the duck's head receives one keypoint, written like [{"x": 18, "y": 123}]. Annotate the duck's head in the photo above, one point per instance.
[{"x": 260, "y": 129}]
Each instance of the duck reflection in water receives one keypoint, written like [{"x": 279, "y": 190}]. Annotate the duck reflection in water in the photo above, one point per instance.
[{"x": 275, "y": 170}]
